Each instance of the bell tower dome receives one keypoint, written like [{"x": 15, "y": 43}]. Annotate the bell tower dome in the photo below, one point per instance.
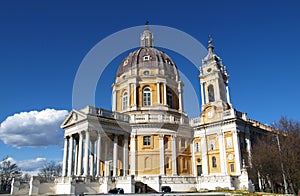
[{"x": 214, "y": 84}]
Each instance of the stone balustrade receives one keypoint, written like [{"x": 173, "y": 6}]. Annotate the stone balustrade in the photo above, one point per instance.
[
  {"x": 159, "y": 118},
  {"x": 106, "y": 113}
]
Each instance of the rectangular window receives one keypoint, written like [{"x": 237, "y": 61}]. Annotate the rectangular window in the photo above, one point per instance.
[
  {"x": 184, "y": 163},
  {"x": 197, "y": 147},
  {"x": 229, "y": 142},
  {"x": 146, "y": 140},
  {"x": 232, "y": 167},
  {"x": 168, "y": 163},
  {"x": 182, "y": 142}
]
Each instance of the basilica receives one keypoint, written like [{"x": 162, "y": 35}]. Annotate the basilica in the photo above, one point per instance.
[{"x": 147, "y": 142}]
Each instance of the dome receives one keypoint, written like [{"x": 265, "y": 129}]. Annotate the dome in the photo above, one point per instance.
[
  {"x": 147, "y": 78},
  {"x": 148, "y": 58}
]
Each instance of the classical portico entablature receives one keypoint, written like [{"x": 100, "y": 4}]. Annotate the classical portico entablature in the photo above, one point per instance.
[
  {"x": 162, "y": 131},
  {"x": 74, "y": 117}
]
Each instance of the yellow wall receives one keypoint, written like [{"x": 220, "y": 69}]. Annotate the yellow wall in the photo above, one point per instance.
[{"x": 148, "y": 157}]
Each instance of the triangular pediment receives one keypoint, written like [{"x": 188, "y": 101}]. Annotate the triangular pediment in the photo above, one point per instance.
[{"x": 73, "y": 117}]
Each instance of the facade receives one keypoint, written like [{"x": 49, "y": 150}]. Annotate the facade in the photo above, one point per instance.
[{"x": 147, "y": 141}]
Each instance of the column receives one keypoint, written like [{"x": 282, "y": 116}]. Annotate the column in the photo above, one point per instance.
[
  {"x": 193, "y": 158},
  {"x": 202, "y": 93},
  {"x": 125, "y": 155},
  {"x": 162, "y": 154},
  {"x": 92, "y": 160},
  {"x": 134, "y": 94},
  {"x": 217, "y": 91},
  {"x": 165, "y": 94},
  {"x": 222, "y": 154},
  {"x": 128, "y": 98},
  {"x": 204, "y": 155},
  {"x": 98, "y": 157},
  {"x": 132, "y": 154},
  {"x": 174, "y": 156},
  {"x": 64, "y": 166},
  {"x": 115, "y": 156},
  {"x": 106, "y": 164},
  {"x": 70, "y": 161},
  {"x": 227, "y": 93},
  {"x": 76, "y": 157},
  {"x": 158, "y": 93},
  {"x": 86, "y": 153},
  {"x": 248, "y": 143},
  {"x": 180, "y": 97},
  {"x": 237, "y": 152},
  {"x": 79, "y": 164},
  {"x": 114, "y": 100}
]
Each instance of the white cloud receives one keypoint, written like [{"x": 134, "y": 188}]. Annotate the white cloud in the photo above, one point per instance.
[
  {"x": 34, "y": 128},
  {"x": 8, "y": 159},
  {"x": 32, "y": 164}
]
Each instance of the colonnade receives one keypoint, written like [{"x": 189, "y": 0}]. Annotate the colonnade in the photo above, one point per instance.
[
  {"x": 83, "y": 154},
  {"x": 98, "y": 155}
]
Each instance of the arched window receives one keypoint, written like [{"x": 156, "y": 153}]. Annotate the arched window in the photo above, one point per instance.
[
  {"x": 214, "y": 162},
  {"x": 146, "y": 96},
  {"x": 124, "y": 101},
  {"x": 170, "y": 99},
  {"x": 211, "y": 93}
]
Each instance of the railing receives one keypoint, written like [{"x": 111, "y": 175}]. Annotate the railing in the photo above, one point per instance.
[
  {"x": 195, "y": 121},
  {"x": 158, "y": 118},
  {"x": 108, "y": 114},
  {"x": 227, "y": 114},
  {"x": 137, "y": 118},
  {"x": 174, "y": 179}
]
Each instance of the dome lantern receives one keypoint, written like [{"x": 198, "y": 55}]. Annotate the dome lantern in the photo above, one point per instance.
[{"x": 146, "y": 38}]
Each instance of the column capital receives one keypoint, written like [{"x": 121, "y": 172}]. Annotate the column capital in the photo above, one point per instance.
[
  {"x": 133, "y": 136},
  {"x": 161, "y": 136},
  {"x": 235, "y": 131},
  {"x": 99, "y": 135},
  {"x": 126, "y": 136},
  {"x": 80, "y": 133}
]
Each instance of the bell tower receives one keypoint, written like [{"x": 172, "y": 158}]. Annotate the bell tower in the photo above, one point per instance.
[{"x": 214, "y": 85}]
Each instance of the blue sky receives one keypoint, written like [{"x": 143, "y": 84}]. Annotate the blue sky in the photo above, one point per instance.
[{"x": 42, "y": 44}]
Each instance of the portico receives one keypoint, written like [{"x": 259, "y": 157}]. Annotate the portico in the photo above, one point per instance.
[{"x": 91, "y": 152}]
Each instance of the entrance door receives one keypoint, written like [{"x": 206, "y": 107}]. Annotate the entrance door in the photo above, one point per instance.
[{"x": 199, "y": 170}]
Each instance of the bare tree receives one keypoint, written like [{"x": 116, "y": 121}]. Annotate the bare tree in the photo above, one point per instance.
[
  {"x": 266, "y": 162},
  {"x": 8, "y": 171},
  {"x": 26, "y": 177},
  {"x": 276, "y": 158},
  {"x": 49, "y": 171},
  {"x": 289, "y": 143}
]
